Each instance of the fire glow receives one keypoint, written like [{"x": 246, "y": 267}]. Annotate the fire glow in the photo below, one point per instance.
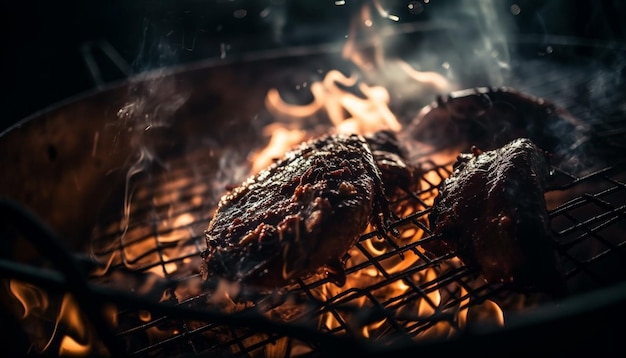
[
  {"x": 174, "y": 252},
  {"x": 395, "y": 274}
]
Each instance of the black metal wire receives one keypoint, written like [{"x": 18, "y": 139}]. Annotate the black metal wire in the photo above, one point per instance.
[
  {"x": 338, "y": 304},
  {"x": 253, "y": 320},
  {"x": 257, "y": 323}
]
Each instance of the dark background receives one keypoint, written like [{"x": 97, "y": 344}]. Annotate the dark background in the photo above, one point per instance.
[{"x": 44, "y": 42}]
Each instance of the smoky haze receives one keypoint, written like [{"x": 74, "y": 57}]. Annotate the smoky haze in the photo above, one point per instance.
[{"x": 44, "y": 65}]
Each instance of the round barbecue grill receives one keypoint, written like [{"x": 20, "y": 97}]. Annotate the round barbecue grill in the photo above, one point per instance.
[{"x": 106, "y": 198}]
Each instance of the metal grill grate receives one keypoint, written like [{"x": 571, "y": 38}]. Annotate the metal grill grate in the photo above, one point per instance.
[
  {"x": 147, "y": 263},
  {"x": 590, "y": 228},
  {"x": 436, "y": 298}
]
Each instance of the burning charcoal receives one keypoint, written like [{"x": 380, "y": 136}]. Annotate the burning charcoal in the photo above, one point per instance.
[
  {"x": 301, "y": 214},
  {"x": 491, "y": 212}
]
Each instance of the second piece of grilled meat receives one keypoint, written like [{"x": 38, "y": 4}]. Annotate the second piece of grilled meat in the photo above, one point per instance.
[{"x": 491, "y": 212}]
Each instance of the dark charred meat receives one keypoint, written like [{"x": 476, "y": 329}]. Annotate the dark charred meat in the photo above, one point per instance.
[
  {"x": 300, "y": 215},
  {"x": 491, "y": 212},
  {"x": 389, "y": 155},
  {"x": 491, "y": 117}
]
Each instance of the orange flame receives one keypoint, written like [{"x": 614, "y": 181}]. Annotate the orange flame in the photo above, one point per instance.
[
  {"x": 31, "y": 298},
  {"x": 349, "y": 113},
  {"x": 70, "y": 330},
  {"x": 72, "y": 348},
  {"x": 365, "y": 115}
]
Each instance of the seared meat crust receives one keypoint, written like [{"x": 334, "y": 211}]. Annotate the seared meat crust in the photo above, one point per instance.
[
  {"x": 301, "y": 214},
  {"x": 492, "y": 213}
]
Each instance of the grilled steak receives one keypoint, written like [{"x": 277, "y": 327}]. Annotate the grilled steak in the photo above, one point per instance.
[
  {"x": 491, "y": 213},
  {"x": 492, "y": 117},
  {"x": 300, "y": 215}
]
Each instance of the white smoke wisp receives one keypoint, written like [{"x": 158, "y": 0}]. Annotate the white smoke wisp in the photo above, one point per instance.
[
  {"x": 154, "y": 98},
  {"x": 494, "y": 39}
]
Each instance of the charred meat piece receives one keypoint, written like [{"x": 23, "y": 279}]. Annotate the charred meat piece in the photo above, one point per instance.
[
  {"x": 491, "y": 212},
  {"x": 300, "y": 215},
  {"x": 390, "y": 155},
  {"x": 492, "y": 117}
]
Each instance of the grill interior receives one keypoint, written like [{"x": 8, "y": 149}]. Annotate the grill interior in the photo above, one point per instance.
[
  {"x": 587, "y": 229},
  {"x": 145, "y": 261}
]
